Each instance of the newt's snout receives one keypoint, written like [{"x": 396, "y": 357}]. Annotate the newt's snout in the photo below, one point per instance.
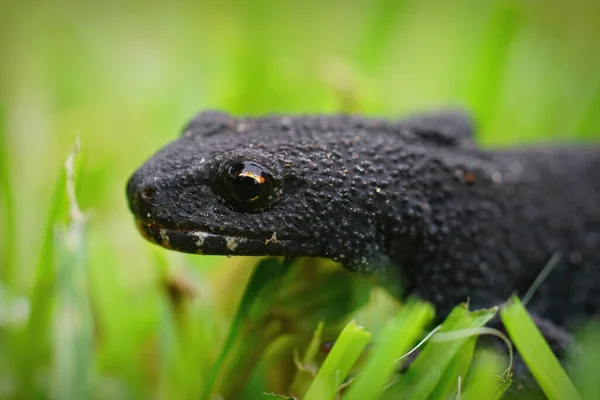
[{"x": 142, "y": 196}]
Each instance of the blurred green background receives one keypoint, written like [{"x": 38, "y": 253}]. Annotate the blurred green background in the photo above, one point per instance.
[{"x": 125, "y": 76}]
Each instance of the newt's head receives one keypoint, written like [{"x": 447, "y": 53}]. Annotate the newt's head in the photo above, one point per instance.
[{"x": 278, "y": 185}]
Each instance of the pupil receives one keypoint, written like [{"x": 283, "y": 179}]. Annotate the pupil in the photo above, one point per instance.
[
  {"x": 247, "y": 180},
  {"x": 247, "y": 187}
]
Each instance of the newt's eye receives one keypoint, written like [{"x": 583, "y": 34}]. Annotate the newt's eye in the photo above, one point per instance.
[{"x": 247, "y": 186}]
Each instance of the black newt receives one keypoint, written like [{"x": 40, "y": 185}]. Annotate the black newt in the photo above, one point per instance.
[{"x": 415, "y": 196}]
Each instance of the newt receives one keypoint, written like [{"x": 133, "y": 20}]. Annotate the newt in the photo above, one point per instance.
[{"x": 416, "y": 197}]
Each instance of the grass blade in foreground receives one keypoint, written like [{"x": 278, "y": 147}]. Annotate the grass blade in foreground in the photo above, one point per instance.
[
  {"x": 73, "y": 330},
  {"x": 305, "y": 375},
  {"x": 266, "y": 273},
  {"x": 429, "y": 369},
  {"x": 536, "y": 352},
  {"x": 401, "y": 333},
  {"x": 483, "y": 377},
  {"x": 342, "y": 357},
  {"x": 457, "y": 369},
  {"x": 586, "y": 363}
]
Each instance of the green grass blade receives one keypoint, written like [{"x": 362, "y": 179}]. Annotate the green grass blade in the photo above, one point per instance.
[
  {"x": 73, "y": 325},
  {"x": 7, "y": 246},
  {"x": 483, "y": 378},
  {"x": 401, "y": 333},
  {"x": 428, "y": 370},
  {"x": 46, "y": 269},
  {"x": 536, "y": 352},
  {"x": 36, "y": 337},
  {"x": 586, "y": 363},
  {"x": 457, "y": 369},
  {"x": 342, "y": 357},
  {"x": 273, "y": 396},
  {"x": 305, "y": 374},
  {"x": 266, "y": 272}
]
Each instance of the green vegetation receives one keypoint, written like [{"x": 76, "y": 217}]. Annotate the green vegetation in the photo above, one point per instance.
[
  {"x": 537, "y": 354},
  {"x": 89, "y": 310}
]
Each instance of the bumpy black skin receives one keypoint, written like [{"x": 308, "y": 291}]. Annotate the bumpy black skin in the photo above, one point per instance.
[{"x": 415, "y": 196}]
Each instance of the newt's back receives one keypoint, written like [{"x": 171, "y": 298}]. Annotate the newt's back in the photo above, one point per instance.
[{"x": 554, "y": 197}]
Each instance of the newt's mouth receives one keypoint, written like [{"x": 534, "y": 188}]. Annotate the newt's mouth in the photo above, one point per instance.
[{"x": 204, "y": 242}]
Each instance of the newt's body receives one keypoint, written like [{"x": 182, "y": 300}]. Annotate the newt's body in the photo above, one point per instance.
[{"x": 416, "y": 196}]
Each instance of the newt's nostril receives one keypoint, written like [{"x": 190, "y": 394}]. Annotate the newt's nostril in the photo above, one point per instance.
[{"x": 148, "y": 194}]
